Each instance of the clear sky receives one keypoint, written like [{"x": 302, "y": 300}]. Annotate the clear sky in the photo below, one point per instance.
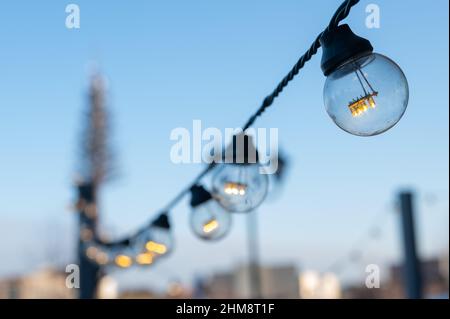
[{"x": 171, "y": 62}]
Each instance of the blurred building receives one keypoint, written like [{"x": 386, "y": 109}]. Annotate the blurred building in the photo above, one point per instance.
[
  {"x": 47, "y": 283},
  {"x": 175, "y": 290},
  {"x": 314, "y": 285},
  {"x": 138, "y": 294},
  {"x": 444, "y": 267},
  {"x": 220, "y": 286},
  {"x": 279, "y": 282},
  {"x": 434, "y": 275},
  {"x": 275, "y": 282},
  {"x": 434, "y": 281}
]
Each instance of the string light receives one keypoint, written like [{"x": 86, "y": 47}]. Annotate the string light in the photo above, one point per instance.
[
  {"x": 158, "y": 240},
  {"x": 143, "y": 250},
  {"x": 240, "y": 183},
  {"x": 208, "y": 219},
  {"x": 365, "y": 94},
  {"x": 123, "y": 261},
  {"x": 210, "y": 226},
  {"x": 155, "y": 247},
  {"x": 235, "y": 189},
  {"x": 145, "y": 258}
]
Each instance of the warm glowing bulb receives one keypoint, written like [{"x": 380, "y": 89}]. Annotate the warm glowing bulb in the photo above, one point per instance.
[
  {"x": 231, "y": 188},
  {"x": 144, "y": 258},
  {"x": 366, "y": 96},
  {"x": 240, "y": 187},
  {"x": 355, "y": 76},
  {"x": 208, "y": 219},
  {"x": 123, "y": 261},
  {"x": 372, "y": 102},
  {"x": 156, "y": 247},
  {"x": 210, "y": 226},
  {"x": 361, "y": 105}
]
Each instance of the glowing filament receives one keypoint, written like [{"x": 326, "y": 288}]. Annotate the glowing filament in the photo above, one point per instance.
[
  {"x": 155, "y": 247},
  {"x": 210, "y": 226},
  {"x": 123, "y": 261},
  {"x": 372, "y": 102},
  {"x": 235, "y": 189},
  {"x": 361, "y": 105},
  {"x": 144, "y": 259}
]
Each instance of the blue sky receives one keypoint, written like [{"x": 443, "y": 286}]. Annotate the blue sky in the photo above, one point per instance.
[{"x": 169, "y": 63}]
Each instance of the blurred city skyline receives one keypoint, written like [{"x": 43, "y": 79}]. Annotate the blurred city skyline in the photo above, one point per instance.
[{"x": 170, "y": 63}]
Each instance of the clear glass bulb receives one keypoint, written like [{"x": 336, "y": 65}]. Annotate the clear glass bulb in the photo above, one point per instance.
[
  {"x": 157, "y": 241},
  {"x": 366, "y": 96},
  {"x": 121, "y": 256},
  {"x": 144, "y": 258},
  {"x": 210, "y": 221},
  {"x": 240, "y": 187},
  {"x": 123, "y": 260},
  {"x": 139, "y": 252}
]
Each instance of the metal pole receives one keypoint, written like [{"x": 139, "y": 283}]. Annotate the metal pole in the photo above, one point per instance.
[
  {"x": 412, "y": 274},
  {"x": 253, "y": 254},
  {"x": 89, "y": 271}
]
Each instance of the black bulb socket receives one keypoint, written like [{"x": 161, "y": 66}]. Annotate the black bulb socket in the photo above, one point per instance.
[{"x": 340, "y": 45}]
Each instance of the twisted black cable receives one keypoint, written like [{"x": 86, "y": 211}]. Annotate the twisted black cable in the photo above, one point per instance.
[{"x": 341, "y": 13}]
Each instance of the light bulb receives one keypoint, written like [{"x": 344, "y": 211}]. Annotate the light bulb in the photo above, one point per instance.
[
  {"x": 158, "y": 239},
  {"x": 208, "y": 219},
  {"x": 366, "y": 96},
  {"x": 240, "y": 187},
  {"x": 118, "y": 254},
  {"x": 123, "y": 260},
  {"x": 240, "y": 184},
  {"x": 144, "y": 258},
  {"x": 365, "y": 93},
  {"x": 156, "y": 247}
]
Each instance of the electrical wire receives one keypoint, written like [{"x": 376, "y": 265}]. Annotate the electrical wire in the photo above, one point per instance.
[
  {"x": 356, "y": 250},
  {"x": 340, "y": 14}
]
